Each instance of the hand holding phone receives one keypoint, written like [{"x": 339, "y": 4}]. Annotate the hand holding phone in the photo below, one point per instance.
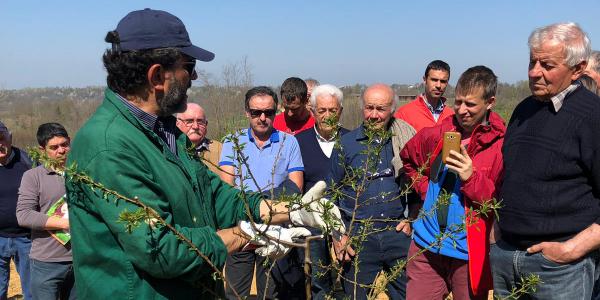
[{"x": 451, "y": 142}]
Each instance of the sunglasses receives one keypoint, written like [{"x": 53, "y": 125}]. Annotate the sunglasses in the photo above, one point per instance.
[
  {"x": 255, "y": 113},
  {"x": 190, "y": 66}
]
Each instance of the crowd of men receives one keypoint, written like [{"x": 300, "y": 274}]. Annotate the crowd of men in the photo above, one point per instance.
[{"x": 380, "y": 194}]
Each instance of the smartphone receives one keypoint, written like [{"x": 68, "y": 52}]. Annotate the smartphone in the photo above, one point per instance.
[{"x": 451, "y": 142}]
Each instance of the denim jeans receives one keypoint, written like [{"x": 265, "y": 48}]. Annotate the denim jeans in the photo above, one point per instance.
[
  {"x": 321, "y": 278},
  {"x": 380, "y": 251},
  {"x": 18, "y": 249},
  {"x": 52, "y": 280},
  {"x": 559, "y": 281}
]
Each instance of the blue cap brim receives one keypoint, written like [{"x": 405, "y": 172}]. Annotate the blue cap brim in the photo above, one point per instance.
[{"x": 198, "y": 53}]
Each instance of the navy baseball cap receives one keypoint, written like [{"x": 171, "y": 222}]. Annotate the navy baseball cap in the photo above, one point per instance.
[{"x": 151, "y": 29}]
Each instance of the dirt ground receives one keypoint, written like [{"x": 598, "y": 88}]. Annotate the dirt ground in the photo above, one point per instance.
[{"x": 14, "y": 286}]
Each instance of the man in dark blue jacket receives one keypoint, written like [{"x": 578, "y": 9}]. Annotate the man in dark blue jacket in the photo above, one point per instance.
[{"x": 370, "y": 195}]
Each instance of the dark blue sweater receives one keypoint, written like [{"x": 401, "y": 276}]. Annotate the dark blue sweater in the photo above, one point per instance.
[
  {"x": 551, "y": 186},
  {"x": 316, "y": 164},
  {"x": 10, "y": 180}
]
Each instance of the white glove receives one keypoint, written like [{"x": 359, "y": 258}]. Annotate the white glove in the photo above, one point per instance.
[
  {"x": 267, "y": 237},
  {"x": 313, "y": 215}
]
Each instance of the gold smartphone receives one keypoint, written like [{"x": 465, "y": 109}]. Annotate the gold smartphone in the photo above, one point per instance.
[{"x": 451, "y": 142}]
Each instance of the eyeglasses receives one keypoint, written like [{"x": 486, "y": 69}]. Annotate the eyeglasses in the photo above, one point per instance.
[
  {"x": 190, "y": 66},
  {"x": 255, "y": 113},
  {"x": 190, "y": 122}
]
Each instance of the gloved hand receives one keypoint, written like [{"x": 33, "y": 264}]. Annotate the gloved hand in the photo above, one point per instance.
[
  {"x": 317, "y": 206},
  {"x": 267, "y": 238}
]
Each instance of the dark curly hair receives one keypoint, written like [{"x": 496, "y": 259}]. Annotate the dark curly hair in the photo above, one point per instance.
[
  {"x": 293, "y": 88},
  {"x": 49, "y": 130},
  {"x": 127, "y": 71}
]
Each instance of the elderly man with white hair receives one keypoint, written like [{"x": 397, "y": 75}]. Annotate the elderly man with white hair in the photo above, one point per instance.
[
  {"x": 194, "y": 124},
  {"x": 550, "y": 214},
  {"x": 316, "y": 146}
]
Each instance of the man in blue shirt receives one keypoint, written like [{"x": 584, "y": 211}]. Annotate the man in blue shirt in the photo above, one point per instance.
[
  {"x": 370, "y": 195},
  {"x": 258, "y": 159}
]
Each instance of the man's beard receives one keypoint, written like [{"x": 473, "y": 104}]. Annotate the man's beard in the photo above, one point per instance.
[{"x": 175, "y": 100}]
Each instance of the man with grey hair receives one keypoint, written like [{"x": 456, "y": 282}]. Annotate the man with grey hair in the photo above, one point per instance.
[
  {"x": 194, "y": 124},
  {"x": 593, "y": 67},
  {"x": 371, "y": 196},
  {"x": 15, "y": 242},
  {"x": 548, "y": 222},
  {"x": 316, "y": 146},
  {"x": 311, "y": 83}
]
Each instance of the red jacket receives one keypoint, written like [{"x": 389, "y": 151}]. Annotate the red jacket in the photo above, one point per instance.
[
  {"x": 417, "y": 114},
  {"x": 485, "y": 150},
  {"x": 282, "y": 123}
]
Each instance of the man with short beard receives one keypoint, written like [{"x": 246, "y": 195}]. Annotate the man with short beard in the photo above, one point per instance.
[
  {"x": 132, "y": 147},
  {"x": 194, "y": 124}
]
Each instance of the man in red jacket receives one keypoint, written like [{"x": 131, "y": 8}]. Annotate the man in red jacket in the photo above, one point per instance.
[
  {"x": 456, "y": 239},
  {"x": 429, "y": 108}
]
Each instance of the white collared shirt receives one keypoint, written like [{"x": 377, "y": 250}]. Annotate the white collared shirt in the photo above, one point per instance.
[
  {"x": 326, "y": 145},
  {"x": 558, "y": 99}
]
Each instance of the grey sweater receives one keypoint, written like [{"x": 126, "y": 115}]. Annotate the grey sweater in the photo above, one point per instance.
[{"x": 40, "y": 188}]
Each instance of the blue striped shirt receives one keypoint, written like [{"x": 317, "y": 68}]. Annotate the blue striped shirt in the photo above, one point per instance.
[{"x": 164, "y": 127}]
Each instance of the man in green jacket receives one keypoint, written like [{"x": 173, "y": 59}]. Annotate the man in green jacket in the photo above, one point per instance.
[{"x": 132, "y": 146}]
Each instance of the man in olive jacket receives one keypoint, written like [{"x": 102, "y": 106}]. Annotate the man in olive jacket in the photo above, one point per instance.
[{"x": 131, "y": 145}]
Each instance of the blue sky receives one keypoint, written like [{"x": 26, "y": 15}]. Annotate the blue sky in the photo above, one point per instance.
[{"x": 60, "y": 43}]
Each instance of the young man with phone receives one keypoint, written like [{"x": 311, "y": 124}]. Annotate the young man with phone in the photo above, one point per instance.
[{"x": 464, "y": 179}]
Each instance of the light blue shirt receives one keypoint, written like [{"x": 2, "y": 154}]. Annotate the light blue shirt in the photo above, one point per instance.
[
  {"x": 426, "y": 230},
  {"x": 269, "y": 165}
]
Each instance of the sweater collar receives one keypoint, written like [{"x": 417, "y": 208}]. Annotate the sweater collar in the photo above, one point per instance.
[{"x": 10, "y": 157}]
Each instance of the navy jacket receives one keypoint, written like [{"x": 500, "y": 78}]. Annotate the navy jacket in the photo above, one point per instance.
[{"x": 381, "y": 198}]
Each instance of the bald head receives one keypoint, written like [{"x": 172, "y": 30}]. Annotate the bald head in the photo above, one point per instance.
[
  {"x": 378, "y": 102},
  {"x": 193, "y": 123}
]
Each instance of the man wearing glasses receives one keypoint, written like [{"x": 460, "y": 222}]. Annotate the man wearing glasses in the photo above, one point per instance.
[
  {"x": 271, "y": 158},
  {"x": 131, "y": 146},
  {"x": 194, "y": 124},
  {"x": 371, "y": 199}
]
